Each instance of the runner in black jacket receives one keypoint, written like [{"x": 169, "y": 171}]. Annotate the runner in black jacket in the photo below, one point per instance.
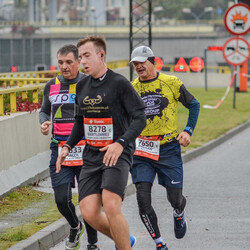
[{"x": 110, "y": 116}]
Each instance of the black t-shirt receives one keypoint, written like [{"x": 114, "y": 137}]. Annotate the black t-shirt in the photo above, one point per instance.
[{"x": 112, "y": 96}]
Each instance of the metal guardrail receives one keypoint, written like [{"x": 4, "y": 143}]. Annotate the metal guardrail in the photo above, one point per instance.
[
  {"x": 21, "y": 81},
  {"x": 117, "y": 64},
  {"x": 31, "y": 74},
  {"x": 13, "y": 94},
  {"x": 35, "y": 81},
  {"x": 30, "y": 77}
]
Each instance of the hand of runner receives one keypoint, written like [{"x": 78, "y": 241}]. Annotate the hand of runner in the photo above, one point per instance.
[
  {"x": 61, "y": 158},
  {"x": 113, "y": 152},
  {"x": 45, "y": 127},
  {"x": 184, "y": 138}
]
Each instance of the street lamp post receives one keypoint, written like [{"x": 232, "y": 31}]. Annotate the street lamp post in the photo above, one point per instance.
[
  {"x": 197, "y": 18},
  {"x": 97, "y": 15},
  {"x": 92, "y": 8}
]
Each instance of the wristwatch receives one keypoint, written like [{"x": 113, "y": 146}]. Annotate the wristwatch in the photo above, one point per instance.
[{"x": 189, "y": 130}]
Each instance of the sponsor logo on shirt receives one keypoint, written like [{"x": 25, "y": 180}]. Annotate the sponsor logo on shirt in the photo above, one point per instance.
[{"x": 93, "y": 101}]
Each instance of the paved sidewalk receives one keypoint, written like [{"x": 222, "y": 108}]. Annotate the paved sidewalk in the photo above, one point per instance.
[{"x": 216, "y": 183}]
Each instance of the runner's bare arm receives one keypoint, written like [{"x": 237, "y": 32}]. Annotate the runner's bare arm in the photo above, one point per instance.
[{"x": 61, "y": 158}]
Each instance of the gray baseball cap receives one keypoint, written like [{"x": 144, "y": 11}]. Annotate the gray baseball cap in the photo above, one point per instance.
[{"x": 141, "y": 54}]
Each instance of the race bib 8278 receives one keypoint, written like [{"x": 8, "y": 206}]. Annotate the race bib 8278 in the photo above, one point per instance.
[{"x": 98, "y": 131}]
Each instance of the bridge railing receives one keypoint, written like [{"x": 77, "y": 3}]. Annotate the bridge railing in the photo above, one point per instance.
[
  {"x": 12, "y": 92},
  {"x": 30, "y": 77},
  {"x": 20, "y": 81},
  {"x": 35, "y": 82}
]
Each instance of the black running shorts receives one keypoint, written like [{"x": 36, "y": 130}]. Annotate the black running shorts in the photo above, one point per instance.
[{"x": 95, "y": 176}]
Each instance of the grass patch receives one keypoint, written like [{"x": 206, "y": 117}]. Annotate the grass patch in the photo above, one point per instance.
[
  {"x": 20, "y": 199},
  {"x": 11, "y": 237},
  {"x": 212, "y": 123}
]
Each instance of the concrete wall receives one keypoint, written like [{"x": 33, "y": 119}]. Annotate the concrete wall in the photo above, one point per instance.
[
  {"x": 24, "y": 151},
  {"x": 20, "y": 138}
]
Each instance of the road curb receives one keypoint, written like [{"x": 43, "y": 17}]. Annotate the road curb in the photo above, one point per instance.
[{"x": 57, "y": 231}]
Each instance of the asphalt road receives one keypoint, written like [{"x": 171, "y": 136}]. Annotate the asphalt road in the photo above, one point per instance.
[{"x": 217, "y": 188}]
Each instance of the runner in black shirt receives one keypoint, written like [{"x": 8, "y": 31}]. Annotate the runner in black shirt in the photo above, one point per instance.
[{"x": 110, "y": 116}]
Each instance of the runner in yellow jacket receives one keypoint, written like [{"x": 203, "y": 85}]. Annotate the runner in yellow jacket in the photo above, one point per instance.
[{"x": 158, "y": 148}]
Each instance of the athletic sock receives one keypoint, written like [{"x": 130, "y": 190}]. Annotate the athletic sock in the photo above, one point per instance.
[
  {"x": 178, "y": 214},
  {"x": 158, "y": 240}
]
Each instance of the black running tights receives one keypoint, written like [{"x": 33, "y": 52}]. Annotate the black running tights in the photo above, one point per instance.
[
  {"x": 63, "y": 199},
  {"x": 146, "y": 211}
]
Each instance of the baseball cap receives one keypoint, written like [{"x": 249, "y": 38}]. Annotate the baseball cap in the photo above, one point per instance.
[{"x": 141, "y": 54}]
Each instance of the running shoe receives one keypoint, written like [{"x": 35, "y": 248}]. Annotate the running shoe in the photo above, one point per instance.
[
  {"x": 132, "y": 241},
  {"x": 161, "y": 246},
  {"x": 92, "y": 246},
  {"x": 180, "y": 225},
  {"x": 73, "y": 241}
]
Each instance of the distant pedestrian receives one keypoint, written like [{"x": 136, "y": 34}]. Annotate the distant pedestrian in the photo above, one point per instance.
[
  {"x": 158, "y": 147},
  {"x": 59, "y": 102}
]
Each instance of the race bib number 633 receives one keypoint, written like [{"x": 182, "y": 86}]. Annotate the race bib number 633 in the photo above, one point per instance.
[{"x": 74, "y": 157}]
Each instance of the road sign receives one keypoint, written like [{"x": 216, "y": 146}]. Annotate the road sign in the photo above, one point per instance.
[
  {"x": 236, "y": 51},
  {"x": 196, "y": 64},
  {"x": 214, "y": 48},
  {"x": 159, "y": 63},
  {"x": 237, "y": 19},
  {"x": 181, "y": 65}
]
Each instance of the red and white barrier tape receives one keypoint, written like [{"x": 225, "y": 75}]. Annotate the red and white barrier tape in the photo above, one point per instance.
[
  {"x": 246, "y": 75},
  {"x": 226, "y": 93}
]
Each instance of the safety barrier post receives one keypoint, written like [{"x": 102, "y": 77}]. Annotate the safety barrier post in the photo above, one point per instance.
[
  {"x": 13, "y": 102},
  {"x": 1, "y": 104},
  {"x": 205, "y": 67},
  {"x": 37, "y": 76},
  {"x": 24, "y": 95},
  {"x": 11, "y": 82},
  {"x": 243, "y": 77},
  {"x": 35, "y": 95}
]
